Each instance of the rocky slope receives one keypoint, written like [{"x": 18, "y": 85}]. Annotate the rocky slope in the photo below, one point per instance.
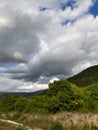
[{"x": 76, "y": 118}]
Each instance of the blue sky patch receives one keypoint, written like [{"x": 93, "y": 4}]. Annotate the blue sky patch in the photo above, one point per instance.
[
  {"x": 10, "y": 65},
  {"x": 65, "y": 22},
  {"x": 70, "y": 3},
  {"x": 94, "y": 9},
  {"x": 63, "y": 6},
  {"x": 42, "y": 8}
]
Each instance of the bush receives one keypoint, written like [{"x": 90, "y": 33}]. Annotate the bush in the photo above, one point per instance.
[
  {"x": 20, "y": 128},
  {"x": 57, "y": 126}
]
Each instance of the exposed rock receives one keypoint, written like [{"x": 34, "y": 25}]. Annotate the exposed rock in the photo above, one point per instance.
[{"x": 77, "y": 118}]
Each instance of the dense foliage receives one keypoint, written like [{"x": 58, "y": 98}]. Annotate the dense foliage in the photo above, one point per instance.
[
  {"x": 86, "y": 77},
  {"x": 61, "y": 96}
]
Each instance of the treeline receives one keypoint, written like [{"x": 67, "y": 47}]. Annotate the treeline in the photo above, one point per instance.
[{"x": 61, "y": 96}]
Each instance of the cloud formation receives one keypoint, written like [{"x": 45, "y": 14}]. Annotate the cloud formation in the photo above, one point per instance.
[{"x": 45, "y": 39}]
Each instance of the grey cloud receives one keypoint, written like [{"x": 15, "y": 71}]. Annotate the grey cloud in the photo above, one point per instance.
[
  {"x": 40, "y": 46},
  {"x": 19, "y": 37},
  {"x": 48, "y": 66},
  {"x": 60, "y": 60},
  {"x": 9, "y": 85}
]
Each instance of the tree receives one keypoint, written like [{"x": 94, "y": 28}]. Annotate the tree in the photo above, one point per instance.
[{"x": 7, "y": 102}]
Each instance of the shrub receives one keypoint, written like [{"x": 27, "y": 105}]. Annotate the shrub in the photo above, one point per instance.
[
  {"x": 86, "y": 126},
  {"x": 57, "y": 126},
  {"x": 20, "y": 128}
]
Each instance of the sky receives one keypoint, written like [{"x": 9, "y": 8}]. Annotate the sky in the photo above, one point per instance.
[{"x": 43, "y": 40}]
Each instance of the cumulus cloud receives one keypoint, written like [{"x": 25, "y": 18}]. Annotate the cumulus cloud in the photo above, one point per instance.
[
  {"x": 18, "y": 35},
  {"x": 45, "y": 44},
  {"x": 6, "y": 84}
]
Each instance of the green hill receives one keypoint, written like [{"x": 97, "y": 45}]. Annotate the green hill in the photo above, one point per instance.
[
  {"x": 86, "y": 77},
  {"x": 62, "y": 95},
  {"x": 93, "y": 89}
]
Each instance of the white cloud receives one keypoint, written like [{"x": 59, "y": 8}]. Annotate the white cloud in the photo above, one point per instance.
[
  {"x": 10, "y": 85},
  {"x": 53, "y": 79},
  {"x": 78, "y": 68},
  {"x": 41, "y": 46},
  {"x": 28, "y": 87}
]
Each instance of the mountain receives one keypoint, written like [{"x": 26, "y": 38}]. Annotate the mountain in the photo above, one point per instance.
[
  {"x": 24, "y": 94},
  {"x": 87, "y": 77}
]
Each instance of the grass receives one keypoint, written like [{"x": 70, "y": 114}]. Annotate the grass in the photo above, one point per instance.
[
  {"x": 7, "y": 126},
  {"x": 47, "y": 125},
  {"x": 57, "y": 126},
  {"x": 43, "y": 121},
  {"x": 86, "y": 126}
]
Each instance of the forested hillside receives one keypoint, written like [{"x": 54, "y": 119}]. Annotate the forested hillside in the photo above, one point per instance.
[
  {"x": 86, "y": 77},
  {"x": 61, "y": 96},
  {"x": 61, "y": 100}
]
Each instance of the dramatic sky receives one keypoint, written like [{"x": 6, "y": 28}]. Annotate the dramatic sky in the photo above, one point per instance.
[{"x": 45, "y": 39}]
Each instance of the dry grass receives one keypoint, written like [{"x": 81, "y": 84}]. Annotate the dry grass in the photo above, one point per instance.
[
  {"x": 37, "y": 120},
  {"x": 7, "y": 126},
  {"x": 43, "y": 121}
]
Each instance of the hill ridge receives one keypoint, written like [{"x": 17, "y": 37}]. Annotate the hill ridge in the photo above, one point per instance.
[{"x": 86, "y": 77}]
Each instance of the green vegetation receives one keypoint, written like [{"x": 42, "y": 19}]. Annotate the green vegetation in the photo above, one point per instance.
[
  {"x": 20, "y": 128},
  {"x": 86, "y": 126},
  {"x": 57, "y": 126},
  {"x": 86, "y": 77},
  {"x": 61, "y": 96}
]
